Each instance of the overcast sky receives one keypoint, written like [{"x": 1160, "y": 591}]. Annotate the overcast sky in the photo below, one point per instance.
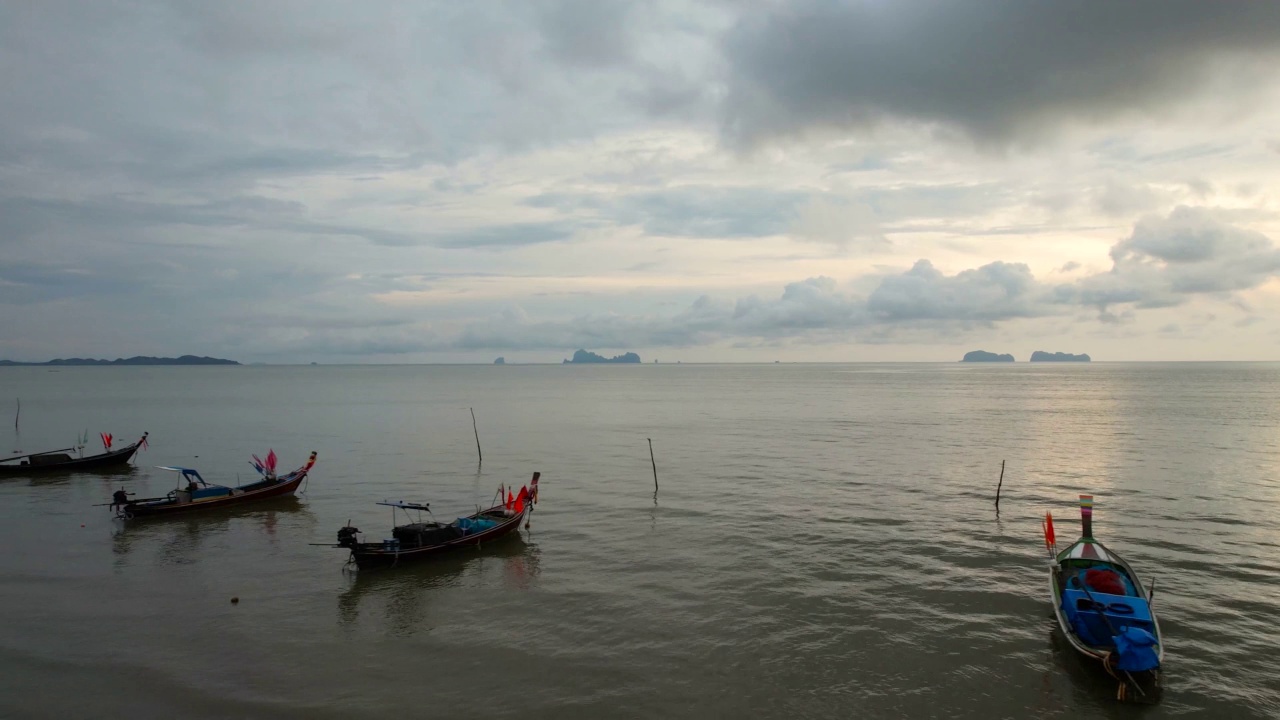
[{"x": 717, "y": 181}]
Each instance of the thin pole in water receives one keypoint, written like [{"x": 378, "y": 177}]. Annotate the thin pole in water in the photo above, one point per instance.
[
  {"x": 476, "y": 430},
  {"x": 655, "y": 468},
  {"x": 998, "y": 486},
  {"x": 18, "y": 414}
]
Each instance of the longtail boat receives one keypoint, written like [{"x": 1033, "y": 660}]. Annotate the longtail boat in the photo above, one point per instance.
[
  {"x": 196, "y": 494},
  {"x": 421, "y": 540},
  {"x": 1103, "y": 609},
  {"x": 61, "y": 461}
]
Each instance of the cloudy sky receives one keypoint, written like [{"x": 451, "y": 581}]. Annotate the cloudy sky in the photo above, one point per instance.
[{"x": 740, "y": 180}]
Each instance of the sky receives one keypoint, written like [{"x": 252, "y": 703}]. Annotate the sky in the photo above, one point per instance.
[{"x": 719, "y": 181}]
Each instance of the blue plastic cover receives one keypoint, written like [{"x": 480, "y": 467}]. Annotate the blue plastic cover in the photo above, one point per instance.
[
  {"x": 1136, "y": 650},
  {"x": 469, "y": 525},
  {"x": 208, "y": 492}
]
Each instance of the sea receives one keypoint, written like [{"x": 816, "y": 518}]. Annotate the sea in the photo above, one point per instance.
[{"x": 821, "y": 540}]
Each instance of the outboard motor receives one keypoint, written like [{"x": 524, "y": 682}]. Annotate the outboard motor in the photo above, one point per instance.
[{"x": 347, "y": 536}]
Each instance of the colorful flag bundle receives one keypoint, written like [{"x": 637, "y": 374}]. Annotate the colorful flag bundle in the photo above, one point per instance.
[
  {"x": 106, "y": 440},
  {"x": 264, "y": 467}
]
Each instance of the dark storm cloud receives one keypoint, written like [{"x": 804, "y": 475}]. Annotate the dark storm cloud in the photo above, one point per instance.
[{"x": 997, "y": 70}]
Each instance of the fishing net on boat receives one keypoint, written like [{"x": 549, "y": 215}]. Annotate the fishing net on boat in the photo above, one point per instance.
[{"x": 1105, "y": 581}]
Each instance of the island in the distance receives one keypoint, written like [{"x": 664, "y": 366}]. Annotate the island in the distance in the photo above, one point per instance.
[
  {"x": 1042, "y": 356},
  {"x": 500, "y": 361},
  {"x": 984, "y": 356},
  {"x": 583, "y": 357},
  {"x": 136, "y": 360}
]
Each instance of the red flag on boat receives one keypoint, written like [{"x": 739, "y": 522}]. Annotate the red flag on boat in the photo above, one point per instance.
[
  {"x": 106, "y": 440},
  {"x": 511, "y": 500},
  {"x": 524, "y": 492},
  {"x": 271, "y": 460},
  {"x": 1049, "y": 539}
]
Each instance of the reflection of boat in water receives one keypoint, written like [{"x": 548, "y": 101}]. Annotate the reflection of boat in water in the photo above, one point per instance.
[
  {"x": 60, "y": 461},
  {"x": 200, "y": 495},
  {"x": 422, "y": 540},
  {"x": 178, "y": 538},
  {"x": 404, "y": 598},
  {"x": 1103, "y": 610}
]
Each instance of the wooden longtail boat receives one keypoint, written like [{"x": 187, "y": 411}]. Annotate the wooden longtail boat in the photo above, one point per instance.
[
  {"x": 198, "y": 495},
  {"x": 59, "y": 461},
  {"x": 1104, "y": 611},
  {"x": 421, "y": 540}
]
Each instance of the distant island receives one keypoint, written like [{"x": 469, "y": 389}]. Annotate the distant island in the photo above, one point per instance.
[
  {"x": 1042, "y": 356},
  {"x": 500, "y": 361},
  {"x": 583, "y": 357},
  {"x": 136, "y": 360},
  {"x": 984, "y": 356}
]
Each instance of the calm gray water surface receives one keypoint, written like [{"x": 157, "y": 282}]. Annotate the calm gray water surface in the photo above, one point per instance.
[{"x": 823, "y": 543}]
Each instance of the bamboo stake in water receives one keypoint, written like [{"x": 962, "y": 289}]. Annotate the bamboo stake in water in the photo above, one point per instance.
[
  {"x": 18, "y": 415},
  {"x": 998, "y": 486},
  {"x": 477, "y": 432},
  {"x": 655, "y": 468}
]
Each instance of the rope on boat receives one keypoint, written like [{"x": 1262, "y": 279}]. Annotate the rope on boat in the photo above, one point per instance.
[{"x": 1122, "y": 692}]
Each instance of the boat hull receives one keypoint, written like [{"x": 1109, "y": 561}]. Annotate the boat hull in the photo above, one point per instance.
[
  {"x": 372, "y": 556},
  {"x": 104, "y": 461},
  {"x": 1148, "y": 681},
  {"x": 168, "y": 508}
]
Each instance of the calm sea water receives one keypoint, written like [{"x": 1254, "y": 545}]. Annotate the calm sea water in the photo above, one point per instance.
[{"x": 823, "y": 543}]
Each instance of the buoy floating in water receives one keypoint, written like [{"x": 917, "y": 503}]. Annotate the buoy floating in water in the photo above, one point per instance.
[{"x": 235, "y": 600}]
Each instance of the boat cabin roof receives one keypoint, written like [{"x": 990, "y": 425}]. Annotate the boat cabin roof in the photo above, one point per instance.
[
  {"x": 187, "y": 473},
  {"x": 405, "y": 505}
]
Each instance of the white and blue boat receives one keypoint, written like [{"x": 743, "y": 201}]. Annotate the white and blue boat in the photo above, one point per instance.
[{"x": 1104, "y": 610}]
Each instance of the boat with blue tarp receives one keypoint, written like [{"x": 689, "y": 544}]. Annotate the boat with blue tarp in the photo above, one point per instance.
[
  {"x": 420, "y": 539},
  {"x": 1104, "y": 611},
  {"x": 194, "y": 493}
]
